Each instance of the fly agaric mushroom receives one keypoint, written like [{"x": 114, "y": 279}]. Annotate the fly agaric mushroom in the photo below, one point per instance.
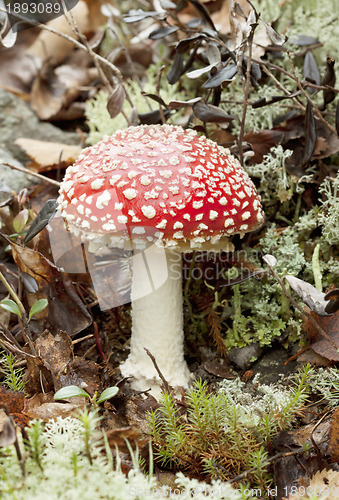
[{"x": 167, "y": 187}]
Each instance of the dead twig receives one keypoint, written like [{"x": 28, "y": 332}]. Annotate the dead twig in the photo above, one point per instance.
[
  {"x": 246, "y": 89},
  {"x": 314, "y": 106},
  {"x": 97, "y": 342},
  {"x": 164, "y": 381},
  {"x": 27, "y": 171},
  {"x": 116, "y": 72}
]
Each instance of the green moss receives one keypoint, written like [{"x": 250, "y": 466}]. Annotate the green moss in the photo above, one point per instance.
[
  {"x": 12, "y": 375},
  {"x": 226, "y": 433}
]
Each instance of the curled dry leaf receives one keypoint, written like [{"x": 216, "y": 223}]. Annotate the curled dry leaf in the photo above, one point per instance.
[
  {"x": 329, "y": 79},
  {"x": 334, "y": 437},
  {"x": 270, "y": 260},
  {"x": 117, "y": 437},
  {"x": 41, "y": 220},
  {"x": 54, "y": 90},
  {"x": 182, "y": 104},
  {"x": 56, "y": 354},
  {"x": 116, "y": 101},
  {"x": 273, "y": 35},
  {"x": 210, "y": 113},
  {"x": 331, "y": 326},
  {"x": 18, "y": 69},
  {"x": 324, "y": 482},
  {"x": 219, "y": 370},
  {"x": 333, "y": 296},
  {"x": 310, "y": 134},
  {"x": 221, "y": 76},
  {"x": 8, "y": 433},
  {"x": 43, "y": 407},
  {"x": 311, "y": 71},
  {"x": 312, "y": 297}
]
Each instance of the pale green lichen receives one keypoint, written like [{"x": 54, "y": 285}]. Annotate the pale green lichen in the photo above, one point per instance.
[
  {"x": 259, "y": 310},
  {"x": 305, "y": 17},
  {"x": 57, "y": 467},
  {"x": 259, "y": 403},
  {"x": 98, "y": 118},
  {"x": 329, "y": 213},
  {"x": 325, "y": 381},
  {"x": 256, "y": 118}
]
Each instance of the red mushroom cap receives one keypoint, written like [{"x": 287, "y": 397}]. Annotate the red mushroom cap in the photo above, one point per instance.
[{"x": 161, "y": 178}]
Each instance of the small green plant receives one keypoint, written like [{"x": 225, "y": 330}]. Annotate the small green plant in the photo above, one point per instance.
[
  {"x": 15, "y": 306},
  {"x": 12, "y": 306},
  {"x": 72, "y": 391},
  {"x": 226, "y": 433},
  {"x": 12, "y": 375},
  {"x": 35, "y": 442}
]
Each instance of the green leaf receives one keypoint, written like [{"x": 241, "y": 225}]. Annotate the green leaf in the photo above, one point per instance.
[
  {"x": 11, "y": 306},
  {"x": 70, "y": 392},
  {"x": 20, "y": 220},
  {"x": 37, "y": 307},
  {"x": 108, "y": 393}
]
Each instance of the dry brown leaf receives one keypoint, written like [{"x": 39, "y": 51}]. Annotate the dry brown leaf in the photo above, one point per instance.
[
  {"x": 331, "y": 326},
  {"x": 17, "y": 67},
  {"x": 221, "y": 18},
  {"x": 218, "y": 369},
  {"x": 323, "y": 484},
  {"x": 54, "y": 90},
  {"x": 334, "y": 437},
  {"x": 14, "y": 400},
  {"x": 65, "y": 309},
  {"x": 43, "y": 406},
  {"x": 56, "y": 355},
  {"x": 54, "y": 48},
  {"x": 117, "y": 437},
  {"x": 46, "y": 155}
]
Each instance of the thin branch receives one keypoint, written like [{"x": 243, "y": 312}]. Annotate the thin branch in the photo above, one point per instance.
[
  {"x": 74, "y": 27},
  {"x": 246, "y": 90},
  {"x": 314, "y": 106},
  {"x": 164, "y": 381},
  {"x": 319, "y": 87},
  {"x": 161, "y": 111},
  {"x": 8, "y": 335},
  {"x": 11, "y": 347},
  {"x": 281, "y": 87},
  {"x": 27, "y": 171},
  {"x": 116, "y": 72}
]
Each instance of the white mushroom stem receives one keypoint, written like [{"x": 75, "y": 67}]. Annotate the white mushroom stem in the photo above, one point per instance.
[{"x": 157, "y": 321}]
